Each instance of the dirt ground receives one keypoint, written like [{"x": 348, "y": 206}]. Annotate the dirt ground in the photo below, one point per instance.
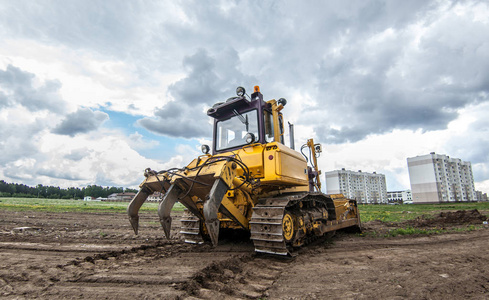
[{"x": 96, "y": 256}]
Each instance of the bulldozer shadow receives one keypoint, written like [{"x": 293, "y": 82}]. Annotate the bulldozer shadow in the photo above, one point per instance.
[{"x": 233, "y": 236}]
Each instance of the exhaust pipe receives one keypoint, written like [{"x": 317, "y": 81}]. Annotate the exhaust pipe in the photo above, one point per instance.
[{"x": 291, "y": 136}]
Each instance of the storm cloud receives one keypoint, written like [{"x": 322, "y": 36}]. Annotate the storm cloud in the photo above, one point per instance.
[
  {"x": 18, "y": 87},
  {"x": 413, "y": 77},
  {"x": 371, "y": 67},
  {"x": 209, "y": 80},
  {"x": 352, "y": 72},
  {"x": 81, "y": 121}
]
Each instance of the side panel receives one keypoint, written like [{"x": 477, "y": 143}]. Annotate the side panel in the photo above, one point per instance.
[
  {"x": 284, "y": 166},
  {"x": 252, "y": 156}
]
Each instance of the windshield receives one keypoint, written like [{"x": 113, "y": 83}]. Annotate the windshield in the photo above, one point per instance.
[{"x": 232, "y": 132}]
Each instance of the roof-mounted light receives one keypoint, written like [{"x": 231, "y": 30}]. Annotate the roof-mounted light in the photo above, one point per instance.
[
  {"x": 256, "y": 89},
  {"x": 240, "y": 91}
]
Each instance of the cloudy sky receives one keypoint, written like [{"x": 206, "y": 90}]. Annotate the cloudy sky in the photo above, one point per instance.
[{"x": 94, "y": 92}]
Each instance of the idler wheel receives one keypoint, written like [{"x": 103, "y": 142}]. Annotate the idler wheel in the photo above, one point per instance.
[{"x": 288, "y": 227}]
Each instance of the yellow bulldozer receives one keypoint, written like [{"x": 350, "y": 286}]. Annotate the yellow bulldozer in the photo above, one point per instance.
[{"x": 251, "y": 181}]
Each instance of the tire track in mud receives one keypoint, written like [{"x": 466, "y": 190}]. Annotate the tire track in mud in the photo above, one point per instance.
[
  {"x": 173, "y": 269},
  {"x": 425, "y": 267},
  {"x": 72, "y": 227},
  {"x": 343, "y": 242},
  {"x": 252, "y": 276},
  {"x": 152, "y": 271},
  {"x": 63, "y": 274},
  {"x": 170, "y": 270},
  {"x": 114, "y": 266},
  {"x": 247, "y": 277}
]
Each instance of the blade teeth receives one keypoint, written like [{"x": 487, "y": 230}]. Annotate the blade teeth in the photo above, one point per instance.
[
  {"x": 135, "y": 223},
  {"x": 166, "y": 225},
  {"x": 213, "y": 229}
]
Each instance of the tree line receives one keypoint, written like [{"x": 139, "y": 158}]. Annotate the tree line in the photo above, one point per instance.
[{"x": 51, "y": 192}]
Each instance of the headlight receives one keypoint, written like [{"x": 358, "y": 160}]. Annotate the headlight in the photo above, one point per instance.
[
  {"x": 205, "y": 149},
  {"x": 240, "y": 91},
  {"x": 250, "y": 138}
]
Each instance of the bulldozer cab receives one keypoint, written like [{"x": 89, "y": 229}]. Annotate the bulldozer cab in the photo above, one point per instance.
[{"x": 242, "y": 121}]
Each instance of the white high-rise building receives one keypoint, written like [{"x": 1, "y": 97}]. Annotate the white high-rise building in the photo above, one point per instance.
[
  {"x": 404, "y": 197},
  {"x": 439, "y": 178},
  {"x": 360, "y": 186}
]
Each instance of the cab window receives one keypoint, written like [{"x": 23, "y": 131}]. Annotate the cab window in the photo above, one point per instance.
[
  {"x": 269, "y": 134},
  {"x": 232, "y": 132},
  {"x": 268, "y": 126}
]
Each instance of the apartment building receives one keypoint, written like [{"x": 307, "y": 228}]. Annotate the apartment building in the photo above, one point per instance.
[
  {"x": 439, "y": 178},
  {"x": 361, "y": 186},
  {"x": 404, "y": 197},
  {"x": 480, "y": 196}
]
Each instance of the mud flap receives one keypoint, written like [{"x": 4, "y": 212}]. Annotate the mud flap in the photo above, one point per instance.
[
  {"x": 135, "y": 205},
  {"x": 211, "y": 208}
]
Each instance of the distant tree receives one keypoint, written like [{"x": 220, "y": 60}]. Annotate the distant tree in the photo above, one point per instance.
[
  {"x": 114, "y": 190},
  {"x": 3, "y": 186},
  {"x": 95, "y": 191},
  {"x": 41, "y": 191},
  {"x": 55, "y": 192}
]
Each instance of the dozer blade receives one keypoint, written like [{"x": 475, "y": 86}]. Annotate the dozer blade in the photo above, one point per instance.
[
  {"x": 211, "y": 208},
  {"x": 134, "y": 206}
]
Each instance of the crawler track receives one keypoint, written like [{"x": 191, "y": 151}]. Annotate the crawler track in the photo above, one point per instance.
[
  {"x": 267, "y": 226},
  {"x": 190, "y": 228}
]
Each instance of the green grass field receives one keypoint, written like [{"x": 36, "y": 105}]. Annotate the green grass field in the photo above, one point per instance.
[
  {"x": 386, "y": 213},
  {"x": 60, "y": 205},
  {"x": 398, "y": 213}
]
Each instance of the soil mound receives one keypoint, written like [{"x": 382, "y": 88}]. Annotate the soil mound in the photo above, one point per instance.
[{"x": 460, "y": 217}]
